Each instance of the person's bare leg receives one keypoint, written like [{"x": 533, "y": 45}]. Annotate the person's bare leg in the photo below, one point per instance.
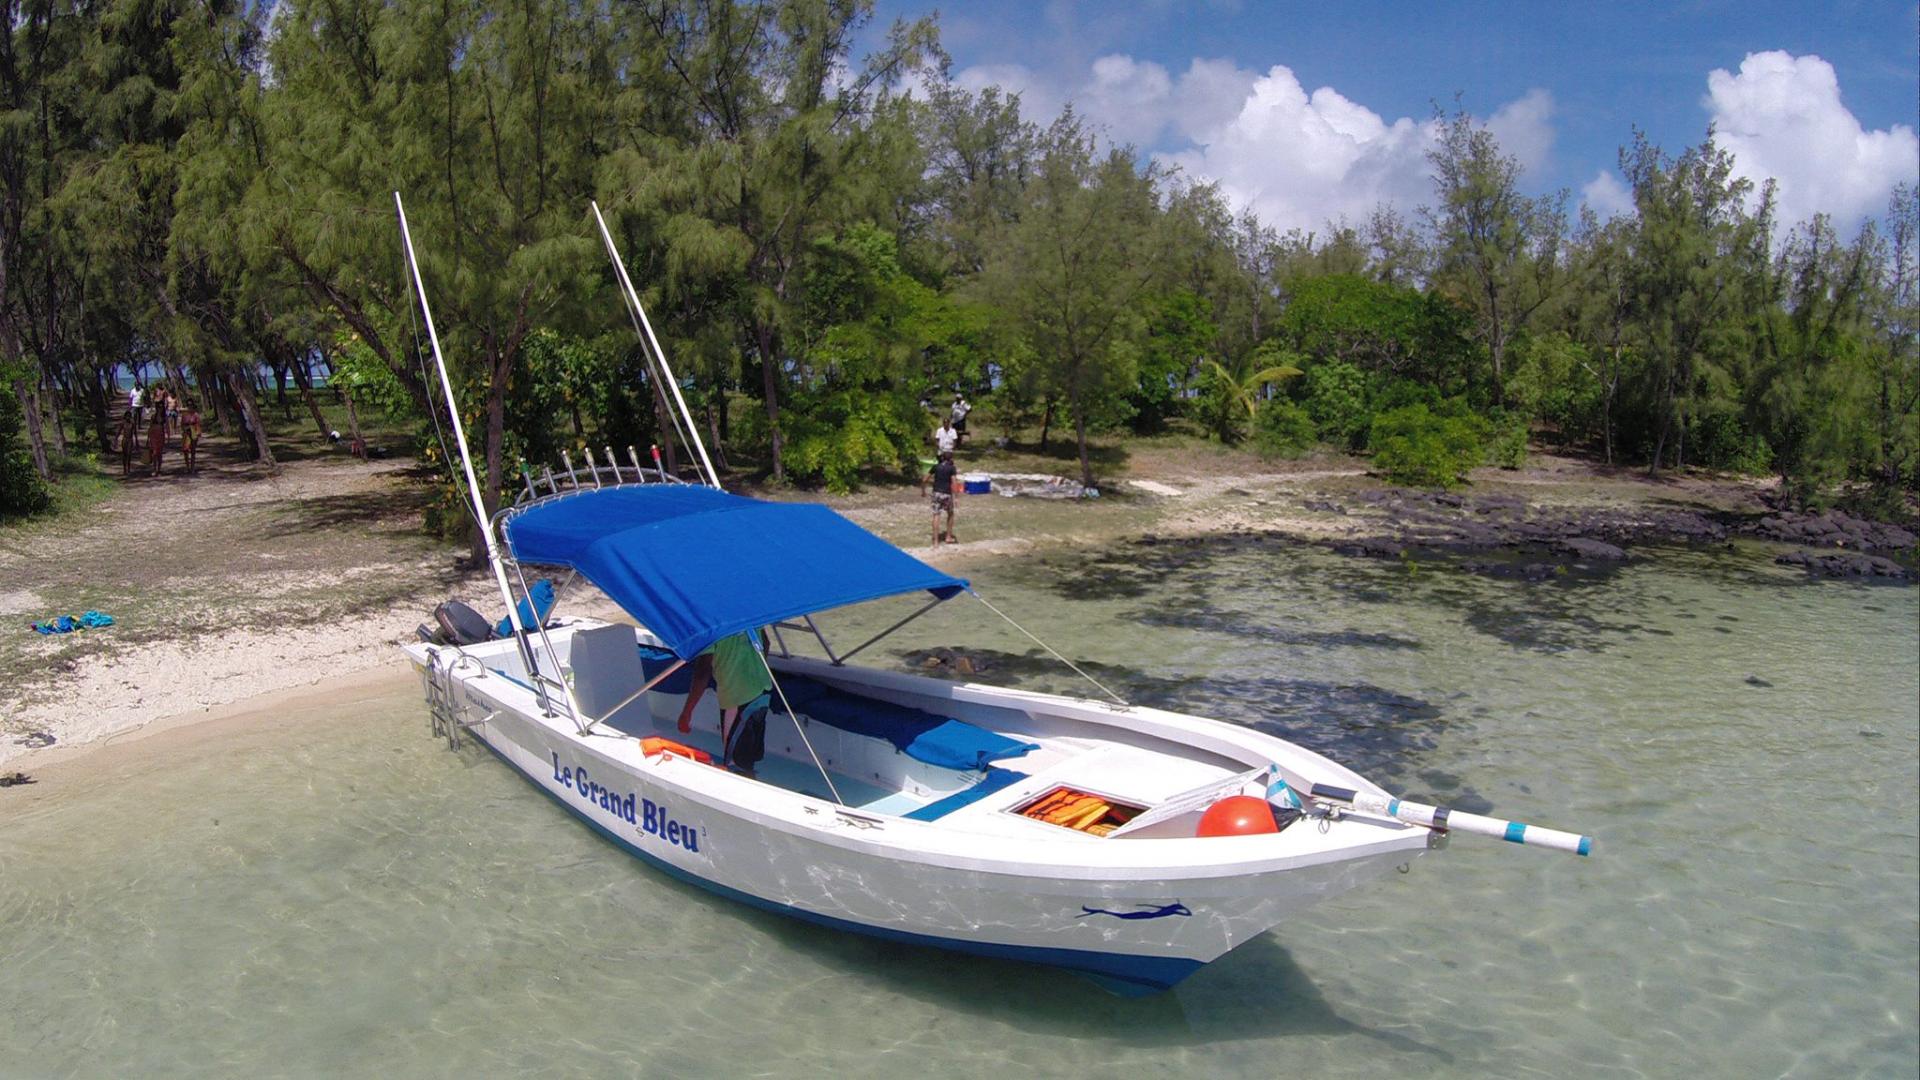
[{"x": 951, "y": 539}]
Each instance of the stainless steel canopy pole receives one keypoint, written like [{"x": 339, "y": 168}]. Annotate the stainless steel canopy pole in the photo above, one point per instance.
[{"x": 645, "y": 326}]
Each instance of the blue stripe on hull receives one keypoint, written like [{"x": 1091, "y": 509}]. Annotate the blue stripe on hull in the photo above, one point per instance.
[{"x": 1123, "y": 974}]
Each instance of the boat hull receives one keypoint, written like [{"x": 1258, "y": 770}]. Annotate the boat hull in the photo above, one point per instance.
[{"x": 1135, "y": 932}]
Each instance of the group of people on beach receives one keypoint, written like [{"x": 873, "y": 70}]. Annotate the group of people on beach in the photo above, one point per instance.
[{"x": 164, "y": 412}]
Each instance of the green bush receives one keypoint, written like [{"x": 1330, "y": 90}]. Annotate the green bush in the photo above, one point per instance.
[
  {"x": 1720, "y": 440},
  {"x": 1283, "y": 429},
  {"x": 1414, "y": 445},
  {"x": 835, "y": 437},
  {"x": 1507, "y": 441},
  {"x": 1336, "y": 399},
  {"x": 22, "y": 492}
]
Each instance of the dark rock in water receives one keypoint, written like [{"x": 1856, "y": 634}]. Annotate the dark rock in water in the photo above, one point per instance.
[
  {"x": 15, "y": 779},
  {"x": 34, "y": 740},
  {"x": 1833, "y": 528},
  {"x": 949, "y": 661},
  {"x": 1593, "y": 549},
  {"x": 1755, "y": 680},
  {"x": 1373, "y": 547},
  {"x": 1845, "y": 565},
  {"x": 1869, "y": 733},
  {"x": 1538, "y": 571},
  {"x": 1323, "y": 506},
  {"x": 1447, "y": 498}
]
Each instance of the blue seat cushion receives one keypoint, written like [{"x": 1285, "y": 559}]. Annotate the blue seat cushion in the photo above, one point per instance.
[{"x": 923, "y": 736}]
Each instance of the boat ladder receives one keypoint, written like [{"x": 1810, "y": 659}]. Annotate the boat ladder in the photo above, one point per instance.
[{"x": 447, "y": 714}]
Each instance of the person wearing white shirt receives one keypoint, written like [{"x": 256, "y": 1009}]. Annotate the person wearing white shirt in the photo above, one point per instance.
[{"x": 945, "y": 437}]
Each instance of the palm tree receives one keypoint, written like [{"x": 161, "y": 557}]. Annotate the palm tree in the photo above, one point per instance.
[{"x": 1237, "y": 396}]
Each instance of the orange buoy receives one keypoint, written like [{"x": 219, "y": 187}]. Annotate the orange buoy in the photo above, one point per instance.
[{"x": 1238, "y": 815}]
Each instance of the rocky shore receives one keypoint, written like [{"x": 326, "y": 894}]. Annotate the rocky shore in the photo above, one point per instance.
[{"x": 1539, "y": 540}]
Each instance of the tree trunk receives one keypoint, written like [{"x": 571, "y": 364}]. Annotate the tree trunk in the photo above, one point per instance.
[
  {"x": 250, "y": 413},
  {"x": 714, "y": 425},
  {"x": 1080, "y": 433},
  {"x": 27, "y": 389},
  {"x": 770, "y": 384},
  {"x": 1046, "y": 424},
  {"x": 51, "y": 388},
  {"x": 280, "y": 378},
  {"x": 304, "y": 380},
  {"x": 353, "y": 428},
  {"x": 663, "y": 424}
]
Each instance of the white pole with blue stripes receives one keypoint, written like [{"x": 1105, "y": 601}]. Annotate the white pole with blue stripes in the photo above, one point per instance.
[{"x": 1445, "y": 819}]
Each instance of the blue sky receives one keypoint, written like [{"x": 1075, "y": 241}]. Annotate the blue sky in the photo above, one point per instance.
[{"x": 1311, "y": 110}]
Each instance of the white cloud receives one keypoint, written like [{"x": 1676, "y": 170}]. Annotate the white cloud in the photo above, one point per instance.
[
  {"x": 1300, "y": 159},
  {"x": 1524, "y": 128},
  {"x": 1607, "y": 195},
  {"x": 1781, "y": 117},
  {"x": 1297, "y": 159}
]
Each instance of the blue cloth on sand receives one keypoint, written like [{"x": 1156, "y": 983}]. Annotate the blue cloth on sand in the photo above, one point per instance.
[{"x": 67, "y": 624}]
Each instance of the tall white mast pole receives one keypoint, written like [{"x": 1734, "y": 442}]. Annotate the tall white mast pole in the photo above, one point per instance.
[
  {"x": 460, "y": 438},
  {"x": 645, "y": 326}
]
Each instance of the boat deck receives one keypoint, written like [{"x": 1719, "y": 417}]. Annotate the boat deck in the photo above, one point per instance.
[{"x": 1123, "y": 773}]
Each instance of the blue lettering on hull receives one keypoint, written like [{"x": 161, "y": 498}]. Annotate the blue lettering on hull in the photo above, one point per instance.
[{"x": 652, "y": 818}]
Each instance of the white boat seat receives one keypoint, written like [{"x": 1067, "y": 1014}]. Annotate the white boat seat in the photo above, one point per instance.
[{"x": 607, "y": 671}]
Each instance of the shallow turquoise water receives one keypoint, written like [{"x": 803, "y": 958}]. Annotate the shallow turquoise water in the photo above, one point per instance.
[{"x": 334, "y": 893}]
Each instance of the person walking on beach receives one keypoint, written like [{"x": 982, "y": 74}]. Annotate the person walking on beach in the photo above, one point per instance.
[
  {"x": 945, "y": 438},
  {"x": 745, "y": 684},
  {"x": 127, "y": 438},
  {"x": 190, "y": 434},
  {"x": 941, "y": 478},
  {"x": 157, "y": 431}
]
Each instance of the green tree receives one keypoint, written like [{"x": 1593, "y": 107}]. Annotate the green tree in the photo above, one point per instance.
[
  {"x": 1178, "y": 338},
  {"x": 1498, "y": 249},
  {"x": 1891, "y": 458},
  {"x": 1696, "y": 276},
  {"x": 1073, "y": 273},
  {"x": 1806, "y": 394},
  {"x": 777, "y": 144}
]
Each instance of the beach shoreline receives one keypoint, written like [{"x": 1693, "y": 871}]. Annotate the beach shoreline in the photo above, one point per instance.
[{"x": 320, "y": 571}]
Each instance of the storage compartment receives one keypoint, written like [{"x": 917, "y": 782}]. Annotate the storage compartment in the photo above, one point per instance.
[
  {"x": 1081, "y": 811},
  {"x": 977, "y": 483}
]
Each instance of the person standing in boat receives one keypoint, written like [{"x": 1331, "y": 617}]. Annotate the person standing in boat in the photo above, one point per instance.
[
  {"x": 941, "y": 479},
  {"x": 744, "y": 683}
]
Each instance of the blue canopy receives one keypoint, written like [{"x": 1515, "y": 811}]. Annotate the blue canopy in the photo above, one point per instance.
[{"x": 695, "y": 565}]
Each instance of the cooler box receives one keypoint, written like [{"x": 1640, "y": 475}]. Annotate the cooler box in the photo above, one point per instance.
[{"x": 977, "y": 483}]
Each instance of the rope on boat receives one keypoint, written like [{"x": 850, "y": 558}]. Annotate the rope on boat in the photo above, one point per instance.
[{"x": 1122, "y": 702}]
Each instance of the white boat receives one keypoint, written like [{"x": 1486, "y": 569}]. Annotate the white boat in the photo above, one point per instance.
[{"x": 988, "y": 820}]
